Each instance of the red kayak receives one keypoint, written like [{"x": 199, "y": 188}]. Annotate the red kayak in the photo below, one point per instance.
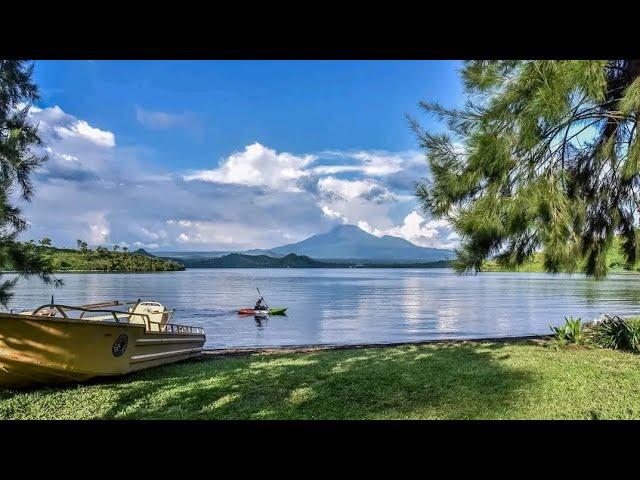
[{"x": 270, "y": 311}]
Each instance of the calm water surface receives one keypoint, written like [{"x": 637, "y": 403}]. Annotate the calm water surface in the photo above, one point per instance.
[{"x": 331, "y": 306}]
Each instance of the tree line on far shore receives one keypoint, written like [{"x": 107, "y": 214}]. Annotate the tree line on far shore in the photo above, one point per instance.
[{"x": 100, "y": 258}]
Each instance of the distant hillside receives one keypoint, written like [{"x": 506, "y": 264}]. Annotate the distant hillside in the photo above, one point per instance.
[
  {"x": 239, "y": 260},
  {"x": 100, "y": 259},
  {"x": 351, "y": 242}
]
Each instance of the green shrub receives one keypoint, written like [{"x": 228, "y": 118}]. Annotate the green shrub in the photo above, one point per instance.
[
  {"x": 634, "y": 333},
  {"x": 571, "y": 332},
  {"x": 617, "y": 333}
]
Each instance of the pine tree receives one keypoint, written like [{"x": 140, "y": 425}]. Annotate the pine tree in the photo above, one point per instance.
[
  {"x": 17, "y": 161},
  {"x": 544, "y": 156}
]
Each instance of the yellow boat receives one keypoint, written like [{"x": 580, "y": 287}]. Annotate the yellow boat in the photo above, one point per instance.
[{"x": 61, "y": 343}]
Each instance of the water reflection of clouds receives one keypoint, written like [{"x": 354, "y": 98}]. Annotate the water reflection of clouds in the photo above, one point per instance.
[{"x": 353, "y": 310}]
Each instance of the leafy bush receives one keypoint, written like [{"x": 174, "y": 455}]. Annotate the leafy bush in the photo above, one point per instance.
[
  {"x": 617, "y": 333},
  {"x": 634, "y": 331},
  {"x": 571, "y": 332}
]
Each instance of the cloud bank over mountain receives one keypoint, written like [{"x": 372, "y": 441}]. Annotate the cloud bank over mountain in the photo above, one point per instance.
[{"x": 96, "y": 188}]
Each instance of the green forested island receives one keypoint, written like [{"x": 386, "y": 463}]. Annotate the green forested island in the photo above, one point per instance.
[{"x": 98, "y": 259}]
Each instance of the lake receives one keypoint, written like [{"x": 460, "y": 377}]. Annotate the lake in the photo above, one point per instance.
[{"x": 347, "y": 306}]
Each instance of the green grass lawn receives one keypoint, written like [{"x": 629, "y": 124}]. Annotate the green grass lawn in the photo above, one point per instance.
[{"x": 443, "y": 381}]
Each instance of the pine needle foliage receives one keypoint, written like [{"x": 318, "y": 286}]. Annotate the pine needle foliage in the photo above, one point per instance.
[
  {"x": 544, "y": 156},
  {"x": 18, "y": 161}
]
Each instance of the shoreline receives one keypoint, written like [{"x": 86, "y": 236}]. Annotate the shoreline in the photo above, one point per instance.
[{"x": 213, "y": 353}]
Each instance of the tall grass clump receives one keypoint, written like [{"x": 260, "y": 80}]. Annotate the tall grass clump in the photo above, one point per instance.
[
  {"x": 572, "y": 332},
  {"x": 617, "y": 333}
]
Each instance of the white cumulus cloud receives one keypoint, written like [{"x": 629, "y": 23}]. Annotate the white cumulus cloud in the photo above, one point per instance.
[
  {"x": 258, "y": 166},
  {"x": 419, "y": 231},
  {"x": 225, "y": 235},
  {"x": 97, "y": 227},
  {"x": 333, "y": 214},
  {"x": 53, "y": 121},
  {"x": 333, "y": 187},
  {"x": 76, "y": 150},
  {"x": 370, "y": 163},
  {"x": 379, "y": 164},
  {"x": 146, "y": 245}
]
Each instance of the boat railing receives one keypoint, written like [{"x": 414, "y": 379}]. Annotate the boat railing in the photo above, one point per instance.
[
  {"x": 176, "y": 328},
  {"x": 167, "y": 327}
]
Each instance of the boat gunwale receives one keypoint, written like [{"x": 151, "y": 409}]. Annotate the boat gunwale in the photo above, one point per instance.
[
  {"x": 42, "y": 318},
  {"x": 194, "y": 331}
]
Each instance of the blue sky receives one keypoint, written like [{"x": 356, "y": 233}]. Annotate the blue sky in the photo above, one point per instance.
[{"x": 191, "y": 155}]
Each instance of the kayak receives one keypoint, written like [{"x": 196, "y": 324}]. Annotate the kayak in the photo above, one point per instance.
[
  {"x": 277, "y": 311},
  {"x": 270, "y": 311}
]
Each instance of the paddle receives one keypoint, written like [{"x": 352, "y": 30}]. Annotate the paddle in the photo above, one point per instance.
[{"x": 265, "y": 303}]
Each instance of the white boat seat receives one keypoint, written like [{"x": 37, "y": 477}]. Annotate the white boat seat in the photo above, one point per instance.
[{"x": 156, "y": 312}]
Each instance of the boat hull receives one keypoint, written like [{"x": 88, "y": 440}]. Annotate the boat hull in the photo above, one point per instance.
[{"x": 40, "y": 350}]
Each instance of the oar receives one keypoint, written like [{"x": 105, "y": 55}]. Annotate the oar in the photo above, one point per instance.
[{"x": 265, "y": 303}]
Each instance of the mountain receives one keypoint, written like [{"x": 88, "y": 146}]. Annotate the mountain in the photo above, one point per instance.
[
  {"x": 142, "y": 251},
  {"x": 348, "y": 242},
  {"x": 344, "y": 244},
  {"x": 239, "y": 260}
]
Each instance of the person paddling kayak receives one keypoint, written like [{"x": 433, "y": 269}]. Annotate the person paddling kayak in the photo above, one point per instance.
[
  {"x": 262, "y": 308},
  {"x": 261, "y": 305}
]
